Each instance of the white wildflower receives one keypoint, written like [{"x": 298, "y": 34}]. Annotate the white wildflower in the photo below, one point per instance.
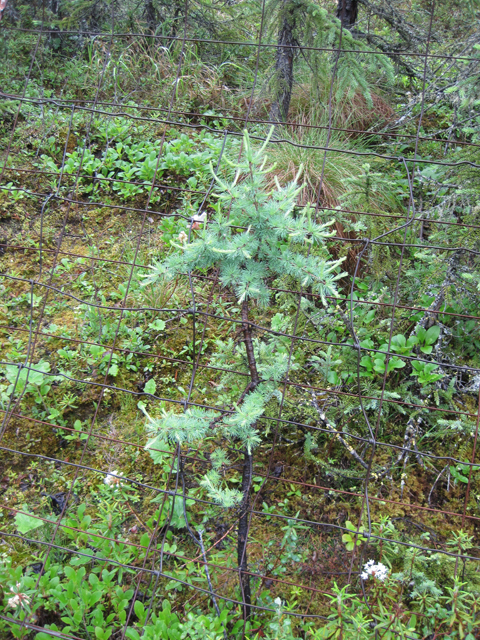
[
  {"x": 378, "y": 571},
  {"x": 112, "y": 480},
  {"x": 19, "y": 599},
  {"x": 199, "y": 217},
  {"x": 14, "y": 602},
  {"x": 182, "y": 236},
  {"x": 197, "y": 220}
]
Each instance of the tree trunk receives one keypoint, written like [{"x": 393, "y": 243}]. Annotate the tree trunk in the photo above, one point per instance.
[
  {"x": 55, "y": 40},
  {"x": 347, "y": 12},
  {"x": 284, "y": 65},
  {"x": 242, "y": 540},
  {"x": 175, "y": 21},
  {"x": 150, "y": 14}
]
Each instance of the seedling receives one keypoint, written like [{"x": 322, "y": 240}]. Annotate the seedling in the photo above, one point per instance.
[
  {"x": 424, "y": 372},
  {"x": 351, "y": 540}
]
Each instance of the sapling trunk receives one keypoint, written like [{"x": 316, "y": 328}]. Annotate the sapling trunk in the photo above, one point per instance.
[
  {"x": 246, "y": 475},
  {"x": 243, "y": 534},
  {"x": 247, "y": 338},
  {"x": 266, "y": 216}
]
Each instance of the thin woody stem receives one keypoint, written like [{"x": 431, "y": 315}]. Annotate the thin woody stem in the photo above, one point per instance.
[
  {"x": 246, "y": 474},
  {"x": 247, "y": 338}
]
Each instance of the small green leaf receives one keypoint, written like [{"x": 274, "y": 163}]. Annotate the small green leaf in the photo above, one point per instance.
[
  {"x": 395, "y": 363},
  {"x": 365, "y": 344},
  {"x": 139, "y": 609},
  {"x": 456, "y": 473},
  {"x": 333, "y": 377},
  {"x": 157, "y": 325},
  {"x": 432, "y": 334},
  {"x": 150, "y": 387},
  {"x": 421, "y": 333},
  {"x": 27, "y": 523},
  {"x": 366, "y": 362},
  {"x": 399, "y": 340},
  {"x": 158, "y": 450}
]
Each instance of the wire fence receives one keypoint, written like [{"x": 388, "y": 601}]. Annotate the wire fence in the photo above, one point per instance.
[{"x": 80, "y": 239}]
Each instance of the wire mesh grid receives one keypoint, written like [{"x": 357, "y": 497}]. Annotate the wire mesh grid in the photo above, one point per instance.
[{"x": 93, "y": 234}]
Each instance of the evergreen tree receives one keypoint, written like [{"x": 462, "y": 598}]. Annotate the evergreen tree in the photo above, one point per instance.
[
  {"x": 253, "y": 238},
  {"x": 303, "y": 23}
]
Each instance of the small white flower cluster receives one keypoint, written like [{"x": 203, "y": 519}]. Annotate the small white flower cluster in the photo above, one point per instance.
[
  {"x": 19, "y": 599},
  {"x": 182, "y": 236},
  {"x": 378, "y": 571},
  {"x": 199, "y": 217},
  {"x": 112, "y": 481}
]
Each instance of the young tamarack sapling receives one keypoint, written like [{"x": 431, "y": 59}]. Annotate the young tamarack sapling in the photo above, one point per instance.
[{"x": 252, "y": 238}]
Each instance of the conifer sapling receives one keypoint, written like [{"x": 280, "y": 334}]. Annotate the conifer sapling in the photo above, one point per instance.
[{"x": 254, "y": 237}]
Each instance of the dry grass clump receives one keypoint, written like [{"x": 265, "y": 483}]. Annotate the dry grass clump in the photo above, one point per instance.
[
  {"x": 333, "y": 171},
  {"x": 327, "y": 161},
  {"x": 348, "y": 112}
]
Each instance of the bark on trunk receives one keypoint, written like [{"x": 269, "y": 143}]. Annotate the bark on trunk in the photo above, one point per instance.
[
  {"x": 247, "y": 338},
  {"x": 175, "y": 22},
  {"x": 284, "y": 66},
  {"x": 55, "y": 39},
  {"x": 242, "y": 540},
  {"x": 150, "y": 16},
  {"x": 347, "y": 12}
]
